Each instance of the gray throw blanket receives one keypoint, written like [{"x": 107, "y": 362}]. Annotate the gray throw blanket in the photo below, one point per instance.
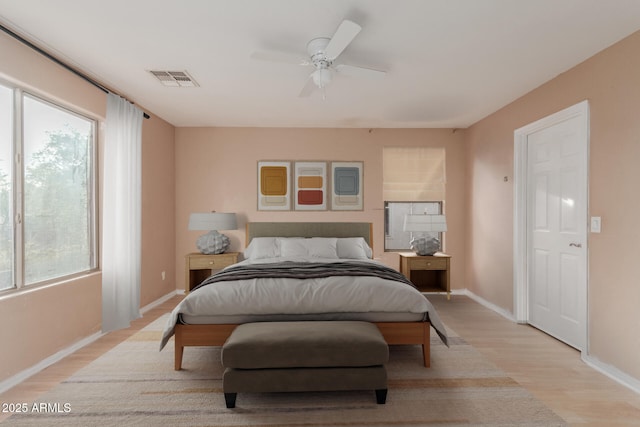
[{"x": 305, "y": 270}]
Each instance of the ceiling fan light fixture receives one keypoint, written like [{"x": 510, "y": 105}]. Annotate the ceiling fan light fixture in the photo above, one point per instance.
[{"x": 322, "y": 77}]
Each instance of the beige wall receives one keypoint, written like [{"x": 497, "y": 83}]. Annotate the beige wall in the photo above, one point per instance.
[
  {"x": 611, "y": 83},
  {"x": 43, "y": 321},
  {"x": 158, "y": 210},
  {"x": 216, "y": 169}
]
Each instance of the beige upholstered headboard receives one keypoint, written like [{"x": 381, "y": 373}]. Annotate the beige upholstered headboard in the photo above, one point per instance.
[{"x": 310, "y": 229}]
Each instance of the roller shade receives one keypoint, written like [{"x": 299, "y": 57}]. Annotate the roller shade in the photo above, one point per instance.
[{"x": 413, "y": 174}]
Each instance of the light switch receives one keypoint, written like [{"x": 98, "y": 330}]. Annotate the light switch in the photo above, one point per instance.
[{"x": 596, "y": 224}]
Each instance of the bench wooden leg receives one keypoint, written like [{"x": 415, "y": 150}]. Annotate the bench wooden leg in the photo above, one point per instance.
[
  {"x": 381, "y": 396},
  {"x": 230, "y": 399}
]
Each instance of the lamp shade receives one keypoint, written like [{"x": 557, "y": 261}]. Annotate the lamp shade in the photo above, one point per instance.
[
  {"x": 213, "y": 221},
  {"x": 425, "y": 223},
  {"x": 423, "y": 244}
]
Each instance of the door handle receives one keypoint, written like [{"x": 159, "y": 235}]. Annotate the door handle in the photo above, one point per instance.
[{"x": 576, "y": 245}]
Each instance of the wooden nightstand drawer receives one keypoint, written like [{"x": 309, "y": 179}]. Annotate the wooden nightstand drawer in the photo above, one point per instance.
[
  {"x": 220, "y": 261},
  {"x": 428, "y": 264}
]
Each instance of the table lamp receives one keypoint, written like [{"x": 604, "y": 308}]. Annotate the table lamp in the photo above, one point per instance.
[
  {"x": 212, "y": 242},
  {"x": 425, "y": 244}
]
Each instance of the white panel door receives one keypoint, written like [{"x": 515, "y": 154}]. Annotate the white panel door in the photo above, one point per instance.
[{"x": 557, "y": 230}]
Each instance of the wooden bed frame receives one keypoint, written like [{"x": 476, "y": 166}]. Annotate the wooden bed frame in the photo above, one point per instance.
[{"x": 395, "y": 333}]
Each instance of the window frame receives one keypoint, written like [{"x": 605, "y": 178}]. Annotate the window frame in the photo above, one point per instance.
[
  {"x": 18, "y": 186},
  {"x": 440, "y": 204}
]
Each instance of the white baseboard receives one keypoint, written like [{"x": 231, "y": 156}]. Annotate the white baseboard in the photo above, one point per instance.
[
  {"x": 491, "y": 306},
  {"x": 159, "y": 301},
  {"x": 612, "y": 372},
  {"x": 23, "y": 375}
]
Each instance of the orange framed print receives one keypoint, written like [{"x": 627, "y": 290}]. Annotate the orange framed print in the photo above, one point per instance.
[
  {"x": 347, "y": 190},
  {"x": 310, "y": 186},
  {"x": 274, "y": 186}
]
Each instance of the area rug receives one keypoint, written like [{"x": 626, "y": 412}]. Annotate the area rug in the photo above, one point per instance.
[{"x": 135, "y": 385}]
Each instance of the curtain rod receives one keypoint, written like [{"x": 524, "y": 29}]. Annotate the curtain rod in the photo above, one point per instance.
[{"x": 59, "y": 62}]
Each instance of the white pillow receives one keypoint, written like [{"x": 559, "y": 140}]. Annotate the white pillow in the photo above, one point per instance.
[
  {"x": 262, "y": 247},
  {"x": 292, "y": 247},
  {"x": 322, "y": 247},
  {"x": 315, "y": 247},
  {"x": 353, "y": 248}
]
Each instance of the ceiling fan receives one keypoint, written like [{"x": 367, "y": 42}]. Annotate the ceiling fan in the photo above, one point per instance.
[{"x": 323, "y": 52}]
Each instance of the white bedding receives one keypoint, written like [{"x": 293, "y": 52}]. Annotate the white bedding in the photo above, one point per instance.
[{"x": 308, "y": 297}]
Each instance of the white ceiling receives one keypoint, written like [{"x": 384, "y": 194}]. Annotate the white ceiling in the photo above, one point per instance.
[{"x": 449, "y": 63}]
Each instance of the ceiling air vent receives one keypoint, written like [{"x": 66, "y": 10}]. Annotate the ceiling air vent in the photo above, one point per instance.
[{"x": 175, "y": 78}]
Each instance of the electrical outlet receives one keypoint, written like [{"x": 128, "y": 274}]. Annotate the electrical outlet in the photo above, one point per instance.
[
  {"x": 164, "y": 275},
  {"x": 596, "y": 224}
]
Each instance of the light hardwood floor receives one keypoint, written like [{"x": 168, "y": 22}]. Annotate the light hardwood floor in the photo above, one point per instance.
[{"x": 550, "y": 370}]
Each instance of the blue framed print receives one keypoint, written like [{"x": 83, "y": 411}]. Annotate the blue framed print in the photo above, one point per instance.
[{"x": 347, "y": 188}]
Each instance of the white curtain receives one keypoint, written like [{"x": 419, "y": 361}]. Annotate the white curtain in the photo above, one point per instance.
[{"x": 121, "y": 206}]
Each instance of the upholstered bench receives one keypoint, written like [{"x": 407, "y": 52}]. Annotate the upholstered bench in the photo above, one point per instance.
[{"x": 304, "y": 356}]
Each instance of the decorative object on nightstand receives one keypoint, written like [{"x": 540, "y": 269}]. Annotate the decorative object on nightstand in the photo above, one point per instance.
[
  {"x": 212, "y": 242},
  {"x": 423, "y": 243}
]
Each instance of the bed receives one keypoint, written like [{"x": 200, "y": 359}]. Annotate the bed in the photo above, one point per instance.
[{"x": 304, "y": 271}]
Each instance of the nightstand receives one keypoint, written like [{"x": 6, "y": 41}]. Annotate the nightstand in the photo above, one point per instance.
[
  {"x": 200, "y": 266},
  {"x": 430, "y": 272}
]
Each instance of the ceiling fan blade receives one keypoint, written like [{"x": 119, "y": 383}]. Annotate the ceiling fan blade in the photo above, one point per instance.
[
  {"x": 353, "y": 71},
  {"x": 281, "y": 57},
  {"x": 308, "y": 88},
  {"x": 345, "y": 33}
]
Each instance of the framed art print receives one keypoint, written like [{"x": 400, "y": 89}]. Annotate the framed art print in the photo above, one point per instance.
[
  {"x": 346, "y": 191},
  {"x": 310, "y": 186},
  {"x": 274, "y": 186}
]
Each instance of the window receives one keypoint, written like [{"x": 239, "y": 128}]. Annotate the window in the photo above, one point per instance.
[
  {"x": 49, "y": 232},
  {"x": 413, "y": 183},
  {"x": 6, "y": 188},
  {"x": 395, "y": 238}
]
